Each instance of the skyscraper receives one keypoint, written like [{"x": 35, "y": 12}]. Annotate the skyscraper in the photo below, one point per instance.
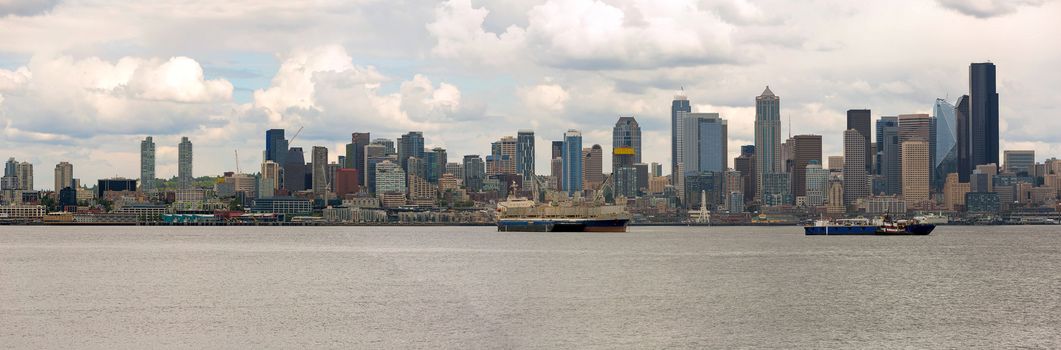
[
  {"x": 410, "y": 145},
  {"x": 627, "y": 133},
  {"x": 147, "y": 165},
  {"x": 184, "y": 164},
  {"x": 859, "y": 119},
  {"x": 64, "y": 176},
  {"x": 24, "y": 171},
  {"x": 474, "y": 172},
  {"x": 702, "y": 143},
  {"x": 945, "y": 160},
  {"x": 805, "y": 149},
  {"x": 915, "y": 127},
  {"x": 961, "y": 116},
  {"x": 355, "y": 151},
  {"x": 270, "y": 179},
  {"x": 679, "y": 104},
  {"x": 593, "y": 167},
  {"x": 525, "y": 155},
  {"x": 389, "y": 178},
  {"x": 319, "y": 161},
  {"x": 983, "y": 114},
  {"x": 507, "y": 148},
  {"x": 915, "y": 172},
  {"x": 295, "y": 170},
  {"x": 767, "y": 136},
  {"x": 275, "y": 145},
  {"x": 572, "y": 161},
  {"x": 856, "y": 185},
  {"x": 816, "y": 184},
  {"x": 888, "y": 164},
  {"x": 435, "y": 164},
  {"x": 745, "y": 164}
]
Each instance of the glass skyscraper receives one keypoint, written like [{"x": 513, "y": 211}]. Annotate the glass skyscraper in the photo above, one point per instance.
[
  {"x": 525, "y": 156},
  {"x": 572, "y": 161},
  {"x": 983, "y": 114},
  {"x": 680, "y": 104},
  {"x": 945, "y": 157},
  {"x": 275, "y": 145},
  {"x": 627, "y": 133}
]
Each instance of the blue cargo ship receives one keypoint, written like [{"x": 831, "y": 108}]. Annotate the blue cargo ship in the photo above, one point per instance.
[{"x": 882, "y": 227}]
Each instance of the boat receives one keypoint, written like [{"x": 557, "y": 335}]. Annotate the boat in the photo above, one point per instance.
[
  {"x": 524, "y": 215},
  {"x": 932, "y": 218},
  {"x": 861, "y": 226}
]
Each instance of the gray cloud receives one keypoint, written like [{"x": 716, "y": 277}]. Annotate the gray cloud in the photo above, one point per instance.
[
  {"x": 26, "y": 7},
  {"x": 987, "y": 8}
]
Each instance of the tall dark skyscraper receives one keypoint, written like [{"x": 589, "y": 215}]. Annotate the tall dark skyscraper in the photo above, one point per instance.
[
  {"x": 745, "y": 164},
  {"x": 355, "y": 151},
  {"x": 680, "y": 104},
  {"x": 859, "y": 119},
  {"x": 295, "y": 170},
  {"x": 525, "y": 155},
  {"x": 275, "y": 145},
  {"x": 558, "y": 149},
  {"x": 767, "y": 136},
  {"x": 961, "y": 117},
  {"x": 983, "y": 114}
]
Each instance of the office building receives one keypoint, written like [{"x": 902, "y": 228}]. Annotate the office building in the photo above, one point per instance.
[
  {"x": 816, "y": 184},
  {"x": 270, "y": 179},
  {"x": 836, "y": 163},
  {"x": 64, "y": 176},
  {"x": 24, "y": 172},
  {"x": 114, "y": 185},
  {"x": 625, "y": 182},
  {"x": 888, "y": 162},
  {"x": 702, "y": 142},
  {"x": 346, "y": 182},
  {"x": 1020, "y": 162},
  {"x": 859, "y": 120},
  {"x": 525, "y": 155},
  {"x": 856, "y": 183},
  {"x": 147, "y": 165},
  {"x": 915, "y": 173},
  {"x": 319, "y": 162},
  {"x": 390, "y": 178},
  {"x": 474, "y": 173},
  {"x": 961, "y": 116},
  {"x": 355, "y": 151},
  {"x": 945, "y": 156},
  {"x": 627, "y": 133},
  {"x": 435, "y": 161},
  {"x": 622, "y": 157},
  {"x": 184, "y": 164},
  {"x": 954, "y": 192},
  {"x": 593, "y": 167},
  {"x": 745, "y": 164},
  {"x": 777, "y": 189},
  {"x": 572, "y": 162},
  {"x": 655, "y": 169},
  {"x": 678, "y": 105},
  {"x": 410, "y": 145},
  {"x": 709, "y": 185},
  {"x": 295, "y": 170},
  {"x": 983, "y": 114},
  {"x": 275, "y": 146},
  {"x": 805, "y": 148},
  {"x": 767, "y": 136}
]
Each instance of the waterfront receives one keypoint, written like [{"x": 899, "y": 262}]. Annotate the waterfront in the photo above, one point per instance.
[{"x": 471, "y": 287}]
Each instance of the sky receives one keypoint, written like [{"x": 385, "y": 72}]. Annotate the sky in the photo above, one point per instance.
[{"x": 85, "y": 81}]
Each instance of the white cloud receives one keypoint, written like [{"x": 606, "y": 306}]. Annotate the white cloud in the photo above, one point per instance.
[
  {"x": 590, "y": 34},
  {"x": 544, "y": 97}
]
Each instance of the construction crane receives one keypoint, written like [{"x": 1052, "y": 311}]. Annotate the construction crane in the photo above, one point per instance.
[
  {"x": 237, "y": 162},
  {"x": 292, "y": 141}
]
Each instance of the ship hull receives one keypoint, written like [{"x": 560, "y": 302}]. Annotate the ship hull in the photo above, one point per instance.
[
  {"x": 839, "y": 230},
  {"x": 540, "y": 225},
  {"x": 909, "y": 230}
]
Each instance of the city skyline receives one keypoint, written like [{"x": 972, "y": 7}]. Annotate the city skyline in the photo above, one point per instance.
[{"x": 224, "y": 97}]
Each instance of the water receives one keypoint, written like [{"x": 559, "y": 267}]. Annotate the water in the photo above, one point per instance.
[{"x": 258, "y": 287}]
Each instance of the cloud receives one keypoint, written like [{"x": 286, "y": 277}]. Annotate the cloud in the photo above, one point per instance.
[
  {"x": 25, "y": 7},
  {"x": 91, "y": 96},
  {"x": 590, "y": 34},
  {"x": 988, "y": 8}
]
